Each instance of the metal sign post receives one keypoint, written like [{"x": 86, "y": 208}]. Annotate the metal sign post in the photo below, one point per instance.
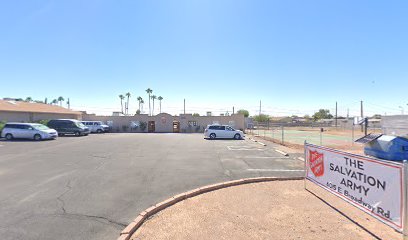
[
  {"x": 283, "y": 135},
  {"x": 405, "y": 213},
  {"x": 273, "y": 134},
  {"x": 352, "y": 136},
  {"x": 321, "y": 137},
  {"x": 305, "y": 157}
]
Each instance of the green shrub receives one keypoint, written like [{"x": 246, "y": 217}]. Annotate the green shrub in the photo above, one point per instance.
[
  {"x": 143, "y": 126},
  {"x": 198, "y": 128},
  {"x": 2, "y": 125},
  {"x": 44, "y": 121}
]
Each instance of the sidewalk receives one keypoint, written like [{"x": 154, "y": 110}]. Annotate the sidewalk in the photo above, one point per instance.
[{"x": 269, "y": 210}]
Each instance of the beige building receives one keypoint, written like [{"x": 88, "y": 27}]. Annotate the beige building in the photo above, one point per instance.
[
  {"x": 166, "y": 123},
  {"x": 20, "y": 111}
]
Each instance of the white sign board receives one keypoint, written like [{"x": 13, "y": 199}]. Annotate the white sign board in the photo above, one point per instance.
[{"x": 372, "y": 185}]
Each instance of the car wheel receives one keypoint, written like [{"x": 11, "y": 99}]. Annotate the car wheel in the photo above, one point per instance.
[
  {"x": 77, "y": 134},
  {"x": 60, "y": 134},
  {"x": 99, "y": 131},
  {"x": 9, "y": 136},
  {"x": 37, "y": 137},
  {"x": 237, "y": 136},
  {"x": 213, "y": 136}
]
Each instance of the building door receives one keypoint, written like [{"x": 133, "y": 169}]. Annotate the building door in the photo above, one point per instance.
[
  {"x": 176, "y": 126},
  {"x": 151, "y": 126}
]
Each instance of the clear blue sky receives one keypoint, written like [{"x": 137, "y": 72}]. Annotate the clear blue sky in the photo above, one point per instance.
[{"x": 296, "y": 56}]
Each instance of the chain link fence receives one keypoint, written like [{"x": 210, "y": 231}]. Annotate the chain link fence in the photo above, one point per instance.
[{"x": 295, "y": 134}]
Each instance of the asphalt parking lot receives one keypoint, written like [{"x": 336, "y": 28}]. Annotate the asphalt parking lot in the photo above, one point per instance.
[{"x": 92, "y": 187}]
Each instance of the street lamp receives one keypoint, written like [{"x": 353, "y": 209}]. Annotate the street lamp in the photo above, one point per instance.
[{"x": 402, "y": 110}]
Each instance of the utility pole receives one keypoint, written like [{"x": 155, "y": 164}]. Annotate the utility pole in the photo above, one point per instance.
[
  {"x": 348, "y": 113},
  {"x": 233, "y": 110},
  {"x": 260, "y": 107},
  {"x": 184, "y": 106},
  {"x": 362, "y": 116},
  {"x": 336, "y": 115}
]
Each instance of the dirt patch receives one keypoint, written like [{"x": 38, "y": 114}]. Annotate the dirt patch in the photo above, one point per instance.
[{"x": 271, "y": 210}]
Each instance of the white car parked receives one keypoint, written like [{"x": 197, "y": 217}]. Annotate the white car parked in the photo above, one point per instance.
[
  {"x": 34, "y": 131},
  {"x": 222, "y": 131},
  {"x": 96, "y": 126}
]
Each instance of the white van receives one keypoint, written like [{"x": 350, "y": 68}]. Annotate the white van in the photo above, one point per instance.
[
  {"x": 222, "y": 131},
  {"x": 96, "y": 126},
  {"x": 34, "y": 131}
]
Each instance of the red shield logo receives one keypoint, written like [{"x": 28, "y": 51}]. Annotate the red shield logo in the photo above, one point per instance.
[{"x": 316, "y": 163}]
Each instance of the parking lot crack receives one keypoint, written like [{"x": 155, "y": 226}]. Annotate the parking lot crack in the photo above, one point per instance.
[
  {"x": 225, "y": 171},
  {"x": 102, "y": 160},
  {"x": 99, "y": 219},
  {"x": 59, "y": 198},
  {"x": 66, "y": 214}
]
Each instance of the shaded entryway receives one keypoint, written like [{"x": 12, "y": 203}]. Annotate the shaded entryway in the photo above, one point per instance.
[
  {"x": 151, "y": 126},
  {"x": 176, "y": 126}
]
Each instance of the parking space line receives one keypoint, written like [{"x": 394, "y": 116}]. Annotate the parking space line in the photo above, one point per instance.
[
  {"x": 282, "y": 152},
  {"x": 275, "y": 170},
  {"x": 237, "y": 148},
  {"x": 244, "y": 149},
  {"x": 260, "y": 143}
]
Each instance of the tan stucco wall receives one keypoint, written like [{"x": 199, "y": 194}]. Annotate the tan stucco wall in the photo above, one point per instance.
[
  {"x": 33, "y": 117},
  {"x": 164, "y": 122},
  {"x": 14, "y": 117},
  {"x": 49, "y": 116},
  {"x": 118, "y": 122},
  {"x": 236, "y": 120}
]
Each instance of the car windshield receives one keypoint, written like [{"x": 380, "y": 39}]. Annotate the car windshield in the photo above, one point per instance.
[
  {"x": 79, "y": 124},
  {"x": 40, "y": 127}
]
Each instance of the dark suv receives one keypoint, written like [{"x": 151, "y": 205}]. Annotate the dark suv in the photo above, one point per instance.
[{"x": 68, "y": 126}]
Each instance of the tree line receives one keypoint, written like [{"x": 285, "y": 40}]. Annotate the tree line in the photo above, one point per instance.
[
  {"x": 321, "y": 114},
  {"x": 151, "y": 96},
  {"x": 55, "y": 101}
]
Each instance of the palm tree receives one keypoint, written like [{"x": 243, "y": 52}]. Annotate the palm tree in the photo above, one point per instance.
[
  {"x": 149, "y": 91},
  {"x": 142, "y": 102},
  {"x": 121, "y": 101},
  {"x": 139, "y": 99},
  {"x": 127, "y": 105},
  {"x": 29, "y": 99},
  {"x": 153, "y": 97},
  {"x": 60, "y": 100},
  {"x": 55, "y": 101},
  {"x": 160, "y": 99}
]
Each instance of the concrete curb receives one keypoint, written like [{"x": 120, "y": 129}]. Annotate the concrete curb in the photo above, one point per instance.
[{"x": 139, "y": 220}]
